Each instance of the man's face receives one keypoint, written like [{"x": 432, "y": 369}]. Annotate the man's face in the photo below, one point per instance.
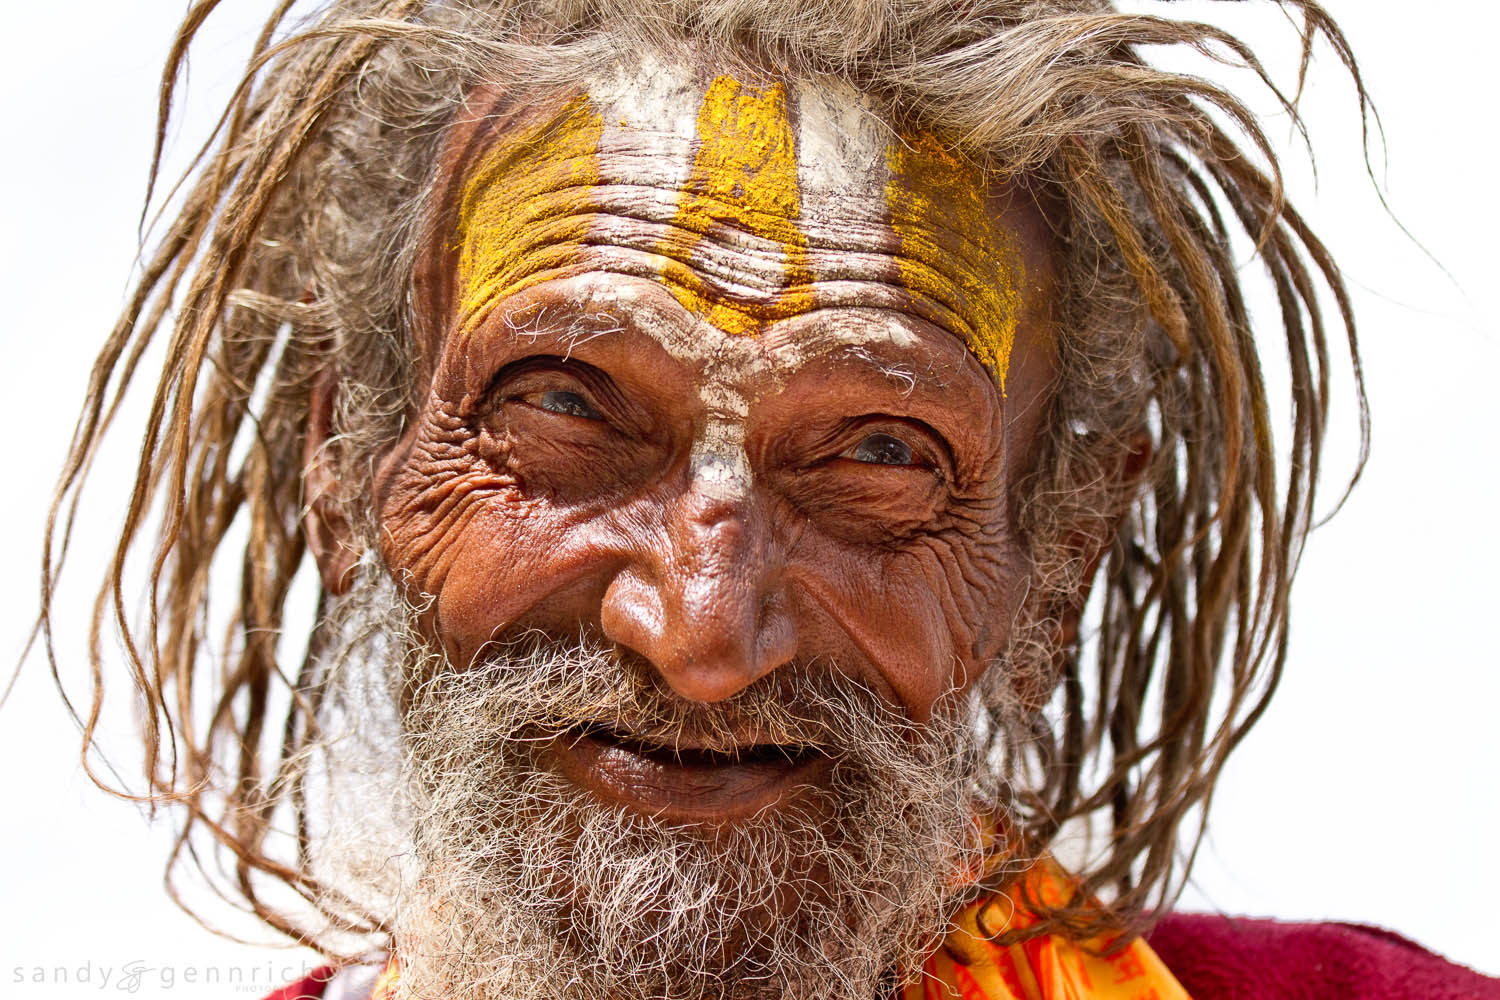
[{"x": 729, "y": 387}]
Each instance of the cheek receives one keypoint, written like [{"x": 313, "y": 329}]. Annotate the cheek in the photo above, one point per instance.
[
  {"x": 922, "y": 619},
  {"x": 428, "y": 492},
  {"x": 470, "y": 547}
]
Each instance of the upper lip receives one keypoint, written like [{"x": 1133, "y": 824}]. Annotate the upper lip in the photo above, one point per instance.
[{"x": 746, "y": 743}]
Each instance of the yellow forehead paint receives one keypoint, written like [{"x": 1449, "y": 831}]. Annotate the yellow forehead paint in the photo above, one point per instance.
[
  {"x": 734, "y": 253},
  {"x": 933, "y": 193},
  {"x": 521, "y": 210},
  {"x": 744, "y": 176}
]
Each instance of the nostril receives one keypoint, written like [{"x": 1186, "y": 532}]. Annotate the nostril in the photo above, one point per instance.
[
  {"x": 631, "y": 614},
  {"x": 776, "y": 636}
]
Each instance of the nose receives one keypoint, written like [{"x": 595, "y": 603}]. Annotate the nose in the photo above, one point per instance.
[{"x": 705, "y": 605}]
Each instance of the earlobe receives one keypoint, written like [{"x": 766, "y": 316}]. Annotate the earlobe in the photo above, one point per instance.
[{"x": 330, "y": 536}]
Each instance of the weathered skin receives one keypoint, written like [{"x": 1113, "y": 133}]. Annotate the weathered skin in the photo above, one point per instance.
[{"x": 730, "y": 420}]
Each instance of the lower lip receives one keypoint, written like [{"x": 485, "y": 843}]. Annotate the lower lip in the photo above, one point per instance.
[{"x": 694, "y": 789}]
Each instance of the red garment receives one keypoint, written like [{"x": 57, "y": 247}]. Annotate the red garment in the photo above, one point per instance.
[{"x": 1232, "y": 958}]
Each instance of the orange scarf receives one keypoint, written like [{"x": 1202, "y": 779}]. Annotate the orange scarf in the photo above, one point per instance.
[{"x": 1050, "y": 967}]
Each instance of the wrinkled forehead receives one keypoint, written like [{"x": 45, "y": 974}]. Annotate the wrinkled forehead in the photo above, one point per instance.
[{"x": 753, "y": 199}]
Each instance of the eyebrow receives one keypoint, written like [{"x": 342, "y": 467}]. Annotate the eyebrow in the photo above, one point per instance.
[
  {"x": 578, "y": 327},
  {"x": 895, "y": 371}
]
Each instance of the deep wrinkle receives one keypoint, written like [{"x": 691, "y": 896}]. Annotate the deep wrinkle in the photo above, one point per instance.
[{"x": 734, "y": 515}]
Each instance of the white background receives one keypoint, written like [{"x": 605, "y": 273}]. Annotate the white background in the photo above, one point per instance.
[{"x": 1368, "y": 793}]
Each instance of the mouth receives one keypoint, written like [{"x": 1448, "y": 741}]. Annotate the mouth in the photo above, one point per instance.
[{"x": 685, "y": 783}]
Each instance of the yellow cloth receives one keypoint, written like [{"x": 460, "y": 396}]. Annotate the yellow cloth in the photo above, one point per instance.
[{"x": 1049, "y": 967}]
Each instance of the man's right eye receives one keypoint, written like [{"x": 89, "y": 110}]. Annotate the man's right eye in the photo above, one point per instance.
[
  {"x": 562, "y": 401},
  {"x": 883, "y": 449}
]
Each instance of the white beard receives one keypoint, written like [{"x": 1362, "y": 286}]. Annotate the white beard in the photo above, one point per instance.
[{"x": 506, "y": 880}]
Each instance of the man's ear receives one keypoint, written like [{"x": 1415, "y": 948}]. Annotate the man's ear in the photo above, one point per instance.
[{"x": 330, "y": 536}]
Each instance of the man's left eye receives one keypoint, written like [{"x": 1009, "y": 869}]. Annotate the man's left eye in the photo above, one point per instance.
[
  {"x": 883, "y": 449},
  {"x": 567, "y": 403}
]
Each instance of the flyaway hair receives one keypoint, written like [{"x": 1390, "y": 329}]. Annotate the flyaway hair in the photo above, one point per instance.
[{"x": 291, "y": 261}]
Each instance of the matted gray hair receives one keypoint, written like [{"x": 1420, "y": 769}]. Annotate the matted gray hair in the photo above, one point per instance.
[{"x": 292, "y": 257}]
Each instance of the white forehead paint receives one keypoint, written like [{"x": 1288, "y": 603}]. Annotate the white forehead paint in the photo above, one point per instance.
[
  {"x": 841, "y": 146},
  {"x": 718, "y": 463},
  {"x": 650, "y": 113},
  {"x": 651, "y": 107}
]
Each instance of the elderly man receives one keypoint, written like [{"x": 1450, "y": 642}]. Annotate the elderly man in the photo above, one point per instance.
[{"x": 708, "y": 423}]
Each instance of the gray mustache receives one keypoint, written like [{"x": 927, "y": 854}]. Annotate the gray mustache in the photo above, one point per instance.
[{"x": 547, "y": 687}]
